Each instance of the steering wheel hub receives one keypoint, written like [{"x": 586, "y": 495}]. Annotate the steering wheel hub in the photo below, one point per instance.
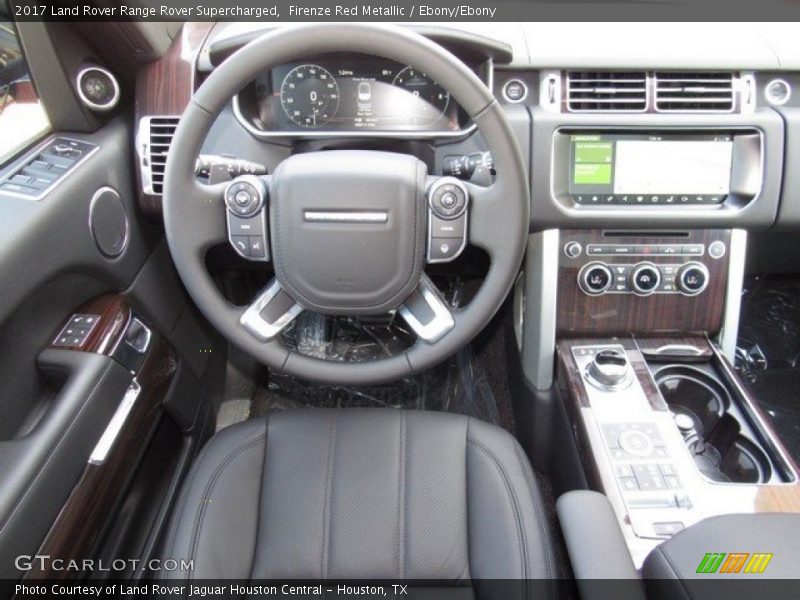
[{"x": 348, "y": 229}]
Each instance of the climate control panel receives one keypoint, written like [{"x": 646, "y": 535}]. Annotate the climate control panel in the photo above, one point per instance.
[
  {"x": 643, "y": 278},
  {"x": 643, "y": 269}
]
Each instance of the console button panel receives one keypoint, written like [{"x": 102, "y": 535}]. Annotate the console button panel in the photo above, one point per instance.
[{"x": 77, "y": 330}]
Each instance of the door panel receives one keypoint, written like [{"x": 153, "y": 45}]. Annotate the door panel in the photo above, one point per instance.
[{"x": 55, "y": 404}]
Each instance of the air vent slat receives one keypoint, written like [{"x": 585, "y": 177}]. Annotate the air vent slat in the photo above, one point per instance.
[
  {"x": 694, "y": 92},
  {"x": 159, "y": 134},
  {"x": 606, "y": 91}
]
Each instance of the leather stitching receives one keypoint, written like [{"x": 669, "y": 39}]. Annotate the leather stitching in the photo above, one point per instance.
[
  {"x": 540, "y": 519},
  {"x": 325, "y": 554},
  {"x": 181, "y": 506},
  {"x": 259, "y": 512},
  {"x": 401, "y": 501},
  {"x": 514, "y": 503},
  {"x": 209, "y": 489}
]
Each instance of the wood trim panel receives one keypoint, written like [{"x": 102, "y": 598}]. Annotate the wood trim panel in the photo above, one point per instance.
[
  {"x": 581, "y": 315},
  {"x": 164, "y": 88},
  {"x": 114, "y": 312},
  {"x": 93, "y": 501}
]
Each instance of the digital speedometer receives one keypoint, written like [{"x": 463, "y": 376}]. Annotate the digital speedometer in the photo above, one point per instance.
[
  {"x": 432, "y": 97},
  {"x": 309, "y": 96}
]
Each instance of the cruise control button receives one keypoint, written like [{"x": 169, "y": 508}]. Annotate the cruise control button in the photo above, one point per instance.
[
  {"x": 447, "y": 228},
  {"x": 444, "y": 248}
]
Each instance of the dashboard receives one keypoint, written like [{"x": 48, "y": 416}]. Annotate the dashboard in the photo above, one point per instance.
[
  {"x": 676, "y": 137},
  {"x": 347, "y": 93}
]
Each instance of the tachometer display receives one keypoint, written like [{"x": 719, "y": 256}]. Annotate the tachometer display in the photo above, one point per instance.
[
  {"x": 432, "y": 98},
  {"x": 309, "y": 96}
]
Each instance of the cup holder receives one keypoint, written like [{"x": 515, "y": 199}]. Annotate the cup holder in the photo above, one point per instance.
[
  {"x": 692, "y": 393},
  {"x": 740, "y": 462},
  {"x": 721, "y": 453}
]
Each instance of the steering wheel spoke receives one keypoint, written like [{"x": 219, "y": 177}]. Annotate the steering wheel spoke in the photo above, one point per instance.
[
  {"x": 426, "y": 312},
  {"x": 485, "y": 204},
  {"x": 270, "y": 313},
  {"x": 207, "y": 219}
]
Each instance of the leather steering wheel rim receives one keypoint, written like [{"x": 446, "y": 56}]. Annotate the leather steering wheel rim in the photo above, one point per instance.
[{"x": 194, "y": 213}]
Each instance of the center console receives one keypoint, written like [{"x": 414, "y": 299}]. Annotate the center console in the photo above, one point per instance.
[
  {"x": 616, "y": 282},
  {"x": 664, "y": 428},
  {"x": 670, "y": 436}
]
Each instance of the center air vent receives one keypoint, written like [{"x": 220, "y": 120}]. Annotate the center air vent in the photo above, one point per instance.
[
  {"x": 694, "y": 92},
  {"x": 155, "y": 137},
  {"x": 606, "y": 91}
]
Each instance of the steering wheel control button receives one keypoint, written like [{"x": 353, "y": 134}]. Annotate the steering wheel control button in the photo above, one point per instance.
[
  {"x": 448, "y": 198},
  {"x": 595, "y": 278},
  {"x": 242, "y": 244},
  {"x": 246, "y": 195},
  {"x": 693, "y": 278},
  {"x": 645, "y": 279},
  {"x": 245, "y": 198},
  {"x": 444, "y": 249},
  {"x": 241, "y": 226},
  {"x": 448, "y": 228},
  {"x": 447, "y": 219},
  {"x": 515, "y": 91},
  {"x": 257, "y": 249}
]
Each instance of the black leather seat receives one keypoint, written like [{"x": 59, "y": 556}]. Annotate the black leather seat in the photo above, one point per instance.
[{"x": 362, "y": 494}]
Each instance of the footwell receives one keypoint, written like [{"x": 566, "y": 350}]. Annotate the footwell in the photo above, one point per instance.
[{"x": 768, "y": 352}]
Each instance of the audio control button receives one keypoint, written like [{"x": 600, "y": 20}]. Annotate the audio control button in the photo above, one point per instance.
[
  {"x": 595, "y": 278},
  {"x": 693, "y": 278},
  {"x": 645, "y": 279}
]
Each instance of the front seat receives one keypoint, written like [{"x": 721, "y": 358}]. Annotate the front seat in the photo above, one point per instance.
[{"x": 361, "y": 493}]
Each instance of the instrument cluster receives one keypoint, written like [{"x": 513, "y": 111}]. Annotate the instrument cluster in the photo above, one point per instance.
[{"x": 347, "y": 93}]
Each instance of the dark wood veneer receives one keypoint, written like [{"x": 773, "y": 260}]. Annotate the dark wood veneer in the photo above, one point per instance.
[
  {"x": 579, "y": 314},
  {"x": 94, "y": 499},
  {"x": 164, "y": 88}
]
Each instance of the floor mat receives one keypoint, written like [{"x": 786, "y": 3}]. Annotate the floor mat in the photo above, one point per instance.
[
  {"x": 768, "y": 352},
  {"x": 473, "y": 382},
  {"x": 777, "y": 392}
]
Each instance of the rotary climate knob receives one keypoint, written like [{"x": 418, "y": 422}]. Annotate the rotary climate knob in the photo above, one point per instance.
[
  {"x": 595, "y": 278},
  {"x": 645, "y": 279},
  {"x": 692, "y": 278}
]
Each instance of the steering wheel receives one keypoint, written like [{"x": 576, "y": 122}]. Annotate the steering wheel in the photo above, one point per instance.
[{"x": 347, "y": 229}]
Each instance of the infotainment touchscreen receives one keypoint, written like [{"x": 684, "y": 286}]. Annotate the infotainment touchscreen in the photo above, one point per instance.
[{"x": 650, "y": 169}]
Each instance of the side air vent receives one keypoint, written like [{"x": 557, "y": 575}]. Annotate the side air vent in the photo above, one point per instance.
[
  {"x": 694, "y": 92},
  {"x": 154, "y": 139},
  {"x": 606, "y": 91}
]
